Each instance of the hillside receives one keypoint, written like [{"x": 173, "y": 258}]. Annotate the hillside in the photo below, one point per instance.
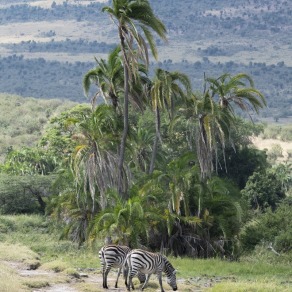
[
  {"x": 47, "y": 46},
  {"x": 23, "y": 120}
]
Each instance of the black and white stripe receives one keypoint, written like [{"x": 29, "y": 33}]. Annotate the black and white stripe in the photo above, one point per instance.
[
  {"x": 114, "y": 256},
  {"x": 150, "y": 263}
]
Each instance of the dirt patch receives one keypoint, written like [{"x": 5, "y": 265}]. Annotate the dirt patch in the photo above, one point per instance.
[
  {"x": 91, "y": 281},
  {"x": 269, "y": 143}
]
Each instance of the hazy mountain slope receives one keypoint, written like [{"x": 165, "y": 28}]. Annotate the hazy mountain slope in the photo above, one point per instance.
[
  {"x": 253, "y": 36},
  {"x": 22, "y": 120}
]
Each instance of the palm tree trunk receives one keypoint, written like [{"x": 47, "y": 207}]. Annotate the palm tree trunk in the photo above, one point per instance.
[
  {"x": 157, "y": 138},
  {"x": 122, "y": 190}
]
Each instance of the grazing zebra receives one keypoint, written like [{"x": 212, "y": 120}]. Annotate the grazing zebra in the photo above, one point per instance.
[
  {"x": 114, "y": 256},
  {"x": 148, "y": 263}
]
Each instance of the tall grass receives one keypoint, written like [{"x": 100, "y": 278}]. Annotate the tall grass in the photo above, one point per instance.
[{"x": 244, "y": 269}]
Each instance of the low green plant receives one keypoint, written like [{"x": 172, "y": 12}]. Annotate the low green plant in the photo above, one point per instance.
[
  {"x": 72, "y": 272},
  {"x": 56, "y": 266},
  {"x": 36, "y": 284}
]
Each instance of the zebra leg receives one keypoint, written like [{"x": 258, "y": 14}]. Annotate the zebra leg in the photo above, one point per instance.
[
  {"x": 105, "y": 277},
  {"x": 159, "y": 277},
  {"x": 119, "y": 272},
  {"x": 125, "y": 273},
  {"x": 130, "y": 280},
  {"x": 130, "y": 284},
  {"x": 146, "y": 281}
]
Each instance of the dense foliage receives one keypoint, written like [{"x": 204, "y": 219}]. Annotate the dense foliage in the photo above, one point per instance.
[{"x": 150, "y": 167}]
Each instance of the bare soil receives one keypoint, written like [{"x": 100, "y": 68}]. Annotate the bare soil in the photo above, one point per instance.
[{"x": 269, "y": 143}]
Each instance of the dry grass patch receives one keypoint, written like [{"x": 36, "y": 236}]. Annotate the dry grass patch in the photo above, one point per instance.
[
  {"x": 36, "y": 284},
  {"x": 16, "y": 252},
  {"x": 9, "y": 279},
  {"x": 57, "y": 266}
]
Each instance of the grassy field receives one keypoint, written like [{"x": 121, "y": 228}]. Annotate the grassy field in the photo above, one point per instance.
[{"x": 33, "y": 257}]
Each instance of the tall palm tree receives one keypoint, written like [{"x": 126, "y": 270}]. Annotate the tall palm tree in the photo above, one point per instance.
[
  {"x": 211, "y": 128},
  {"x": 128, "y": 15},
  {"x": 233, "y": 89},
  {"x": 108, "y": 76},
  {"x": 165, "y": 89},
  {"x": 94, "y": 161},
  {"x": 140, "y": 147}
]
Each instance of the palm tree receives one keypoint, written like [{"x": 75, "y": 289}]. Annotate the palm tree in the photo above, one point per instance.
[
  {"x": 233, "y": 89},
  {"x": 210, "y": 126},
  {"x": 166, "y": 87},
  {"x": 94, "y": 161},
  {"x": 129, "y": 14},
  {"x": 140, "y": 147},
  {"x": 108, "y": 76},
  {"x": 127, "y": 222}
]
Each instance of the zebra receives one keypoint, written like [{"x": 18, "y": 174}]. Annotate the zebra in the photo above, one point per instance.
[
  {"x": 114, "y": 256},
  {"x": 148, "y": 263}
]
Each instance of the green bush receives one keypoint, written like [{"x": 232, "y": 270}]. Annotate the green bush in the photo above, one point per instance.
[
  {"x": 263, "y": 190},
  {"x": 271, "y": 227},
  {"x": 18, "y": 203}
]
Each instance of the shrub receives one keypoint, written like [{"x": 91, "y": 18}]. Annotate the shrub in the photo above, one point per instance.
[
  {"x": 271, "y": 227},
  {"x": 263, "y": 190}
]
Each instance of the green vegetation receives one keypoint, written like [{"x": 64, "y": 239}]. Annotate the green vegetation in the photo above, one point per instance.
[
  {"x": 23, "y": 120},
  {"x": 262, "y": 271},
  {"x": 161, "y": 165}
]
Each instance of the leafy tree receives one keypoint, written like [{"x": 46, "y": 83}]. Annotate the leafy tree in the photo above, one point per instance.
[
  {"x": 29, "y": 161},
  {"x": 216, "y": 120},
  {"x": 140, "y": 148},
  {"x": 270, "y": 227},
  {"x": 24, "y": 194},
  {"x": 283, "y": 172},
  {"x": 263, "y": 190},
  {"x": 72, "y": 213},
  {"x": 241, "y": 163},
  {"x": 129, "y": 15},
  {"x": 58, "y": 139}
]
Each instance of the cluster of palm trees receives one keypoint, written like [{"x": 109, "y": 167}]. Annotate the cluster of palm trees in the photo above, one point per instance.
[{"x": 134, "y": 183}]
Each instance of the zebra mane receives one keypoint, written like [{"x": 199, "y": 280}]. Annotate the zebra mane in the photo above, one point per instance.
[{"x": 167, "y": 265}]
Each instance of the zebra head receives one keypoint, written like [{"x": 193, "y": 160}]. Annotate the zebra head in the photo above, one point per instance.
[{"x": 170, "y": 274}]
